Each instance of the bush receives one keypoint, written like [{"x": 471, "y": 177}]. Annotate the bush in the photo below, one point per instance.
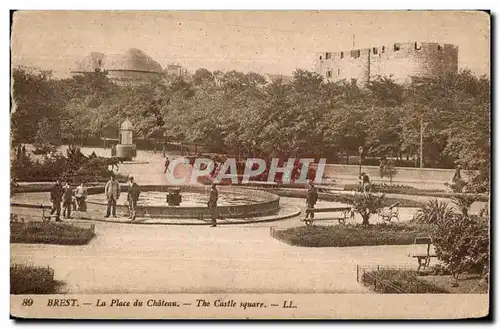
[
  {"x": 31, "y": 280},
  {"x": 49, "y": 233},
  {"x": 366, "y": 204},
  {"x": 351, "y": 235},
  {"x": 388, "y": 169},
  {"x": 432, "y": 212},
  {"x": 393, "y": 188},
  {"x": 75, "y": 166},
  {"x": 462, "y": 243},
  {"x": 405, "y": 281}
]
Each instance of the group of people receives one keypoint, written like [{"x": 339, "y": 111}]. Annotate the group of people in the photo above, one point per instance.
[{"x": 63, "y": 196}]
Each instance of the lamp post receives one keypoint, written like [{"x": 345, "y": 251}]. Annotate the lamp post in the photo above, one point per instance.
[
  {"x": 360, "y": 155},
  {"x": 423, "y": 125},
  {"x": 164, "y": 140}
]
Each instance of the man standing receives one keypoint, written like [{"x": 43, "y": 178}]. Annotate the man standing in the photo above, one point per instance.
[
  {"x": 112, "y": 191},
  {"x": 365, "y": 183},
  {"x": 80, "y": 196},
  {"x": 56, "y": 195},
  {"x": 311, "y": 199},
  {"x": 132, "y": 197},
  {"x": 212, "y": 204},
  {"x": 67, "y": 200}
]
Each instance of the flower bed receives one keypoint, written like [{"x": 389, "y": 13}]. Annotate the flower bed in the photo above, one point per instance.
[
  {"x": 26, "y": 279},
  {"x": 352, "y": 235},
  {"x": 49, "y": 233},
  {"x": 388, "y": 281}
]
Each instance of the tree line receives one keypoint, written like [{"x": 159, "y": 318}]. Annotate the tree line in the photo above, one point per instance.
[{"x": 243, "y": 113}]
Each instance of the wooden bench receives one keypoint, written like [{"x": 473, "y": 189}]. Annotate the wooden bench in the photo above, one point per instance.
[
  {"x": 45, "y": 215},
  {"x": 424, "y": 260},
  {"x": 388, "y": 213},
  {"x": 346, "y": 213}
]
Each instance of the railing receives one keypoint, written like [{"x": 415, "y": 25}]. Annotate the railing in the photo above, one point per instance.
[{"x": 368, "y": 277}]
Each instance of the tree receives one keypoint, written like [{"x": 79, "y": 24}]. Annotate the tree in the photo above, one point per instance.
[
  {"x": 202, "y": 76},
  {"x": 462, "y": 243},
  {"x": 367, "y": 204},
  {"x": 388, "y": 169},
  {"x": 35, "y": 98}
]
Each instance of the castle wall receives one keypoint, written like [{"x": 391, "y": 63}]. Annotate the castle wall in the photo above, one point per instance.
[
  {"x": 131, "y": 77},
  {"x": 401, "y": 61}
]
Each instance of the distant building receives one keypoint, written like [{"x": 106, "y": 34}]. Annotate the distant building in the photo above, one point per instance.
[
  {"x": 176, "y": 70},
  {"x": 402, "y": 61},
  {"x": 285, "y": 79},
  {"x": 132, "y": 67}
]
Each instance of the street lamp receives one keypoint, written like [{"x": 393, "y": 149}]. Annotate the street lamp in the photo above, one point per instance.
[
  {"x": 360, "y": 155},
  {"x": 423, "y": 125}
]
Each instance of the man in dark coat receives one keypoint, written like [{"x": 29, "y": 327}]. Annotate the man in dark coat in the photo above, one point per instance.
[
  {"x": 212, "y": 204},
  {"x": 311, "y": 199},
  {"x": 67, "y": 200},
  {"x": 132, "y": 197},
  {"x": 56, "y": 195}
]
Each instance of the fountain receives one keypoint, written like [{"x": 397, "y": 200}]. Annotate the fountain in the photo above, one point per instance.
[
  {"x": 234, "y": 202},
  {"x": 174, "y": 197}
]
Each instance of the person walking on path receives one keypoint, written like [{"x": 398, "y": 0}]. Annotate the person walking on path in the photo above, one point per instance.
[
  {"x": 67, "y": 200},
  {"x": 132, "y": 197},
  {"x": 311, "y": 199},
  {"x": 56, "y": 195},
  {"x": 112, "y": 191},
  {"x": 212, "y": 204},
  {"x": 167, "y": 163},
  {"x": 81, "y": 196},
  {"x": 457, "y": 177}
]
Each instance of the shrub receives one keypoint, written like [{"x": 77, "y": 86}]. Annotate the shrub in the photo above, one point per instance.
[
  {"x": 25, "y": 279},
  {"x": 366, "y": 204},
  {"x": 432, "y": 212},
  {"x": 75, "y": 166},
  {"x": 462, "y": 243},
  {"x": 49, "y": 233},
  {"x": 388, "y": 169},
  {"x": 351, "y": 235},
  {"x": 398, "y": 281},
  {"x": 464, "y": 202}
]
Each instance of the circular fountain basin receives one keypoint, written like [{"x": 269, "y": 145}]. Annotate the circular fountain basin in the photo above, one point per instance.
[{"x": 234, "y": 202}]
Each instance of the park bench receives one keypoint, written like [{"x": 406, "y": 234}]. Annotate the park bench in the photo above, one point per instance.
[
  {"x": 346, "y": 212},
  {"x": 423, "y": 259},
  {"x": 388, "y": 213},
  {"x": 45, "y": 209}
]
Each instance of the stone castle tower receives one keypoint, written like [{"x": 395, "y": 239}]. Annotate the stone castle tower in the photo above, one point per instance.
[{"x": 401, "y": 61}]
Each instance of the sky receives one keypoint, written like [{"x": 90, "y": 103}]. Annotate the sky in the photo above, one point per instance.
[{"x": 276, "y": 42}]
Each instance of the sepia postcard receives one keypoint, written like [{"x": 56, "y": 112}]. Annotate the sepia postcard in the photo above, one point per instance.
[{"x": 250, "y": 165}]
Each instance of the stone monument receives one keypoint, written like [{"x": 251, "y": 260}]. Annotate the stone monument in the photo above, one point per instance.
[{"x": 126, "y": 150}]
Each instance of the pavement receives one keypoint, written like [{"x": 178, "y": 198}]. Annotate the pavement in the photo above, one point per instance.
[
  {"x": 125, "y": 258},
  {"x": 227, "y": 259}
]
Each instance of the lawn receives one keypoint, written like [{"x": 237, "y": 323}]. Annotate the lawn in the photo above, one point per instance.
[
  {"x": 466, "y": 284},
  {"x": 49, "y": 233},
  {"x": 388, "y": 281},
  {"x": 352, "y": 235}
]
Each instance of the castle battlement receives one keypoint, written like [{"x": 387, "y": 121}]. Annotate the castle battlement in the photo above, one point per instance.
[{"x": 401, "y": 61}]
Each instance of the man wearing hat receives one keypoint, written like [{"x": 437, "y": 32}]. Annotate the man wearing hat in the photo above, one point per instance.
[
  {"x": 212, "y": 204},
  {"x": 132, "y": 197},
  {"x": 311, "y": 198}
]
